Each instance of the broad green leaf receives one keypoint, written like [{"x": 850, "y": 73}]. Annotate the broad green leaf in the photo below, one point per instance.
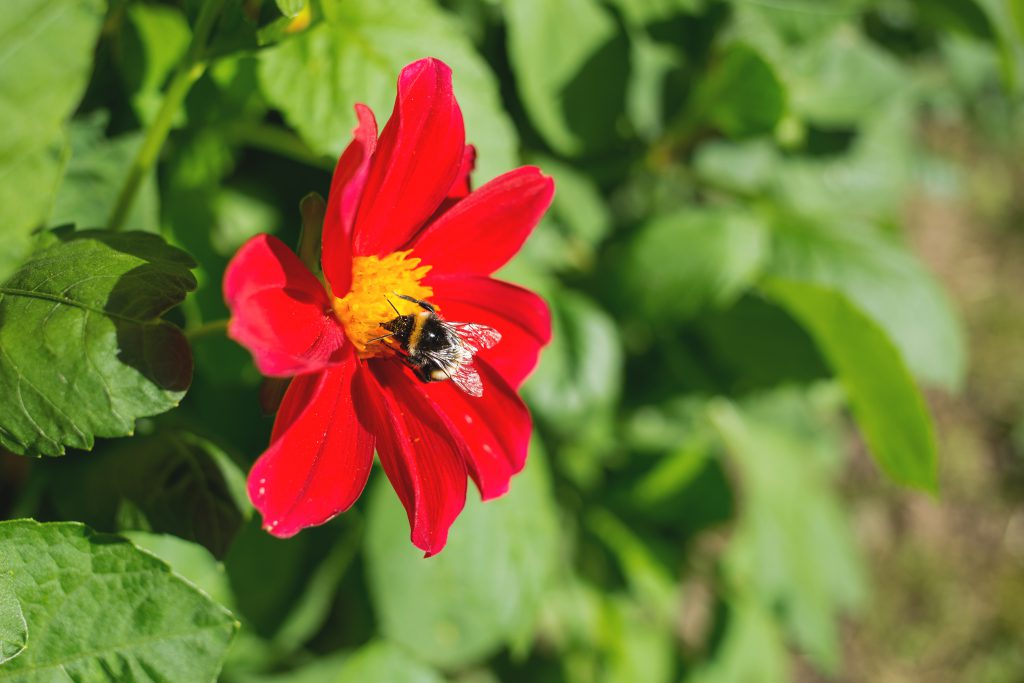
[
  {"x": 795, "y": 20},
  {"x": 570, "y": 91},
  {"x": 885, "y": 282},
  {"x": 792, "y": 548},
  {"x": 13, "y": 629},
  {"x": 45, "y": 62},
  {"x": 739, "y": 95},
  {"x": 83, "y": 351},
  {"x": 696, "y": 258},
  {"x": 964, "y": 16},
  {"x": 94, "y": 177},
  {"x": 883, "y": 397},
  {"x": 188, "y": 560},
  {"x": 170, "y": 482},
  {"x": 356, "y": 54},
  {"x": 650, "y": 11},
  {"x": 743, "y": 167},
  {"x": 651, "y": 64},
  {"x": 99, "y": 609},
  {"x": 483, "y": 590}
]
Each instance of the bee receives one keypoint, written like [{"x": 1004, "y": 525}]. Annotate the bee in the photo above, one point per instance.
[{"x": 437, "y": 349}]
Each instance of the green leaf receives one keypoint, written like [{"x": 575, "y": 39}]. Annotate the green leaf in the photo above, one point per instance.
[
  {"x": 99, "y": 609},
  {"x": 482, "y": 590},
  {"x": 649, "y": 11},
  {"x": 83, "y": 352},
  {"x": 580, "y": 372},
  {"x": 95, "y": 174},
  {"x": 695, "y": 258},
  {"x": 381, "y": 662},
  {"x": 290, "y": 8},
  {"x": 44, "y": 68},
  {"x": 13, "y": 629},
  {"x": 751, "y": 649},
  {"x": 188, "y": 560},
  {"x": 740, "y": 95},
  {"x": 885, "y": 401},
  {"x": 171, "y": 482},
  {"x": 570, "y": 91},
  {"x": 793, "y": 547},
  {"x": 155, "y": 42},
  {"x": 885, "y": 282},
  {"x": 356, "y": 54}
]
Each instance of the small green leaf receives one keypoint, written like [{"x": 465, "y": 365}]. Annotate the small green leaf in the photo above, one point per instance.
[
  {"x": 885, "y": 401},
  {"x": 45, "y": 66},
  {"x": 13, "y": 629},
  {"x": 696, "y": 258},
  {"x": 102, "y": 610},
  {"x": 356, "y": 54},
  {"x": 556, "y": 77},
  {"x": 155, "y": 41},
  {"x": 83, "y": 351},
  {"x": 482, "y": 590},
  {"x": 95, "y": 174},
  {"x": 290, "y": 8}
]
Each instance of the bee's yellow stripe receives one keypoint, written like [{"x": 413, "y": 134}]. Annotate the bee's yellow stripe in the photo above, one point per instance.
[{"x": 417, "y": 331}]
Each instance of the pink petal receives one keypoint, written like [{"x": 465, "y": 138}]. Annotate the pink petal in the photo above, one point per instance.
[
  {"x": 483, "y": 231},
  {"x": 320, "y": 455},
  {"x": 494, "y": 428},
  {"x": 280, "y": 311},
  {"x": 418, "y": 452},
  {"x": 418, "y": 158},
  {"x": 522, "y": 318},
  {"x": 343, "y": 202}
]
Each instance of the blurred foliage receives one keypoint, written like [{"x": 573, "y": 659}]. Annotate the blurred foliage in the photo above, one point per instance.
[{"x": 729, "y": 277}]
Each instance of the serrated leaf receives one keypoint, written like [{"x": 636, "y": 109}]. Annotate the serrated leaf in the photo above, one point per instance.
[
  {"x": 13, "y": 628},
  {"x": 95, "y": 173},
  {"x": 45, "y": 64},
  {"x": 482, "y": 591},
  {"x": 885, "y": 401},
  {"x": 356, "y": 54},
  {"x": 83, "y": 351},
  {"x": 102, "y": 610},
  {"x": 172, "y": 482},
  {"x": 572, "y": 89}
]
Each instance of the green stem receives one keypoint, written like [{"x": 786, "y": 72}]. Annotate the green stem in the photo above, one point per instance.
[
  {"x": 206, "y": 329},
  {"x": 187, "y": 73}
]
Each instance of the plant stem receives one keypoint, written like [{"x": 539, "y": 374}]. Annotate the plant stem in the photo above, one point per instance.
[
  {"x": 188, "y": 72},
  {"x": 206, "y": 329}
]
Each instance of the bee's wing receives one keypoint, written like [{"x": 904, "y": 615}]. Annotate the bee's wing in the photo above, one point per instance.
[
  {"x": 466, "y": 378},
  {"x": 476, "y": 337}
]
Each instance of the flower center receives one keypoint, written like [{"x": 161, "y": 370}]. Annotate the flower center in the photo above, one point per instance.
[{"x": 375, "y": 282}]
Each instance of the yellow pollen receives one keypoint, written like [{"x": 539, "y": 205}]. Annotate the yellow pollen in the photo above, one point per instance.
[{"x": 376, "y": 281}]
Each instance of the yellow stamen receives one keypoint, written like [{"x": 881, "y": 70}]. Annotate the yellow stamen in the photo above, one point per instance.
[{"x": 375, "y": 282}]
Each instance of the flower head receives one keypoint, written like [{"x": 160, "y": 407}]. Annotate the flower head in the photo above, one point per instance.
[{"x": 401, "y": 219}]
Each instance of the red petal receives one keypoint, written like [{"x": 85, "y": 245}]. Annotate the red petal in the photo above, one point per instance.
[
  {"x": 494, "y": 429},
  {"x": 417, "y": 160},
  {"x": 521, "y": 316},
  {"x": 343, "y": 201},
  {"x": 319, "y": 457},
  {"x": 280, "y": 311},
  {"x": 418, "y": 452},
  {"x": 462, "y": 186},
  {"x": 483, "y": 231}
]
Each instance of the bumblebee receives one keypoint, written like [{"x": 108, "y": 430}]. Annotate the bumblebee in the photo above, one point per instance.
[{"x": 437, "y": 349}]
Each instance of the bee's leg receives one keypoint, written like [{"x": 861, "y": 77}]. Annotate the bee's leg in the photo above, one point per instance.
[{"x": 422, "y": 304}]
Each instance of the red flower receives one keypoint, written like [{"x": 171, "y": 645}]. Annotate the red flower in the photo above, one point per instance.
[{"x": 400, "y": 219}]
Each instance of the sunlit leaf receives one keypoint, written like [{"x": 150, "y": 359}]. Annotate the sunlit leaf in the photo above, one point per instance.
[
  {"x": 882, "y": 394},
  {"x": 99, "y": 609},
  {"x": 83, "y": 351}
]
